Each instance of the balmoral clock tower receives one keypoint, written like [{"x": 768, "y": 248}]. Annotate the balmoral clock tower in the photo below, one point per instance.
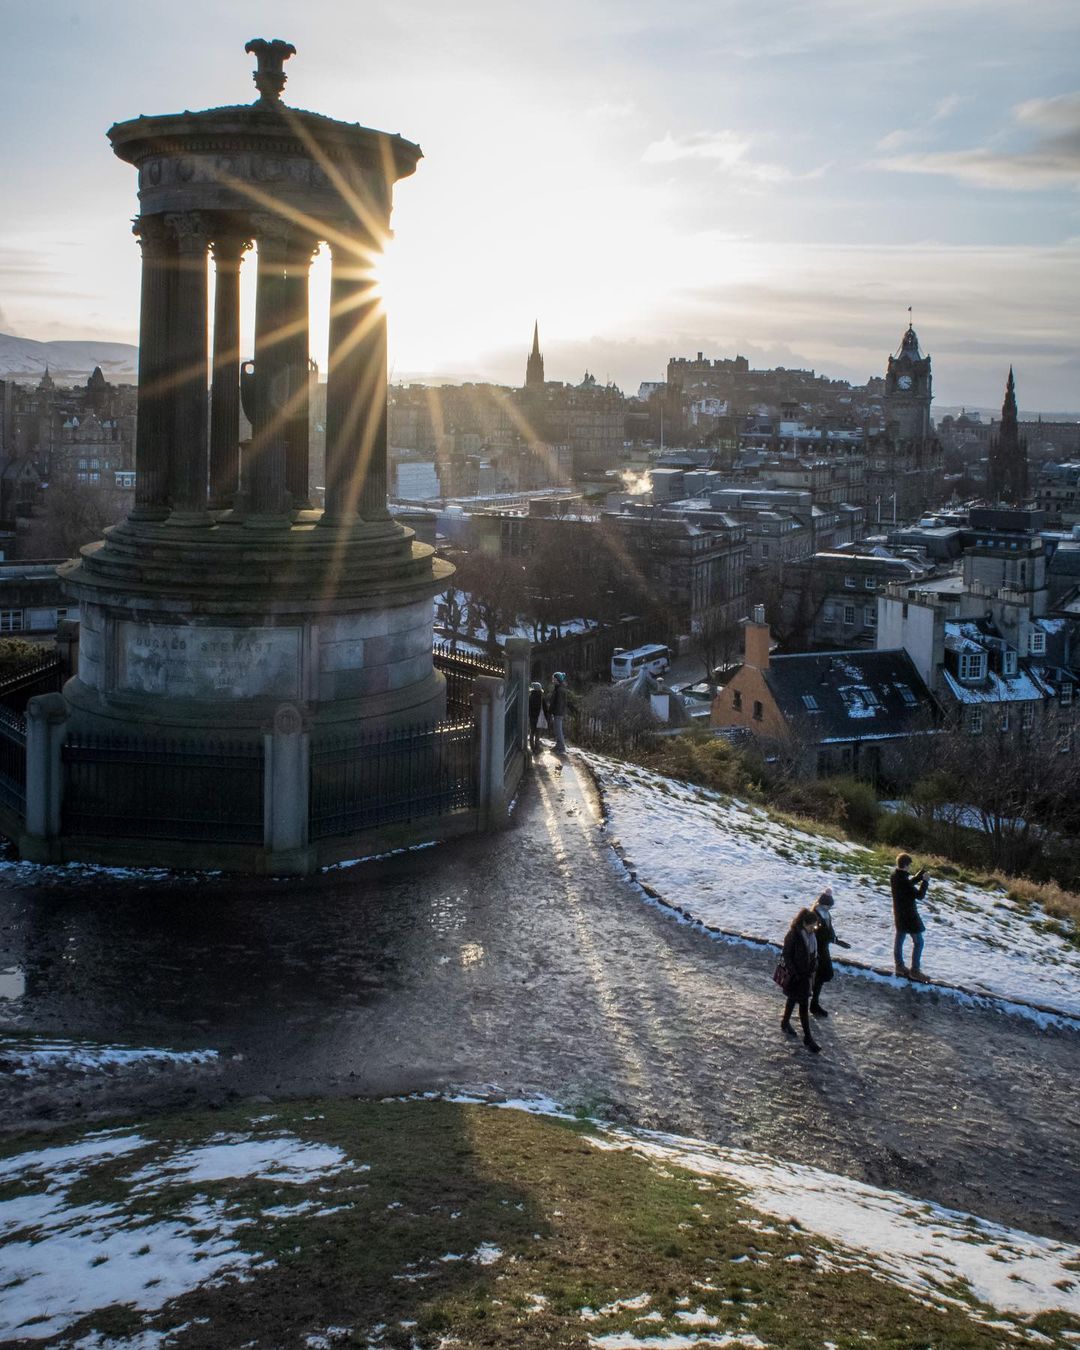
[{"x": 908, "y": 392}]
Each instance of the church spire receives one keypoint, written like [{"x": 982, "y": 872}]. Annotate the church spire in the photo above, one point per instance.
[
  {"x": 1008, "y": 466},
  {"x": 534, "y": 369}
]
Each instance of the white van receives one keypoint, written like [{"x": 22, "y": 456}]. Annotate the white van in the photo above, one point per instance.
[{"x": 626, "y": 664}]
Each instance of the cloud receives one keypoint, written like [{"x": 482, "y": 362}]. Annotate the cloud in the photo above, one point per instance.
[
  {"x": 924, "y": 130},
  {"x": 726, "y": 149},
  {"x": 1051, "y": 160}
]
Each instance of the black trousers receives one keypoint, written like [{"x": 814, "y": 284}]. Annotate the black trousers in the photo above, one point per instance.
[{"x": 804, "y": 1013}]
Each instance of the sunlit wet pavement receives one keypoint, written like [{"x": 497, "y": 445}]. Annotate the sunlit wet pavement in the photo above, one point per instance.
[{"x": 527, "y": 963}]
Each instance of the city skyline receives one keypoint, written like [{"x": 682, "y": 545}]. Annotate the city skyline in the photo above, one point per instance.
[{"x": 782, "y": 184}]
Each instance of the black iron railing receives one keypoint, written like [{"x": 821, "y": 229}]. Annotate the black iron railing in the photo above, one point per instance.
[
  {"x": 13, "y": 760},
  {"x": 44, "y": 678},
  {"x": 164, "y": 789},
  {"x": 361, "y": 781},
  {"x": 460, "y": 670}
]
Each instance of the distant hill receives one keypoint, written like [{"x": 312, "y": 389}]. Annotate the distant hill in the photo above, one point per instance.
[{"x": 25, "y": 360}]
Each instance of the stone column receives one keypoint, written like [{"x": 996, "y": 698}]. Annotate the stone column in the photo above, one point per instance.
[
  {"x": 265, "y": 487},
  {"x": 355, "y": 390},
  {"x": 154, "y": 428},
  {"x": 228, "y": 250},
  {"x": 188, "y": 361},
  {"x": 297, "y": 344}
]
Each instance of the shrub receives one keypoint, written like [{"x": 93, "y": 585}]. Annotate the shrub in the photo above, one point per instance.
[
  {"x": 17, "y": 654},
  {"x": 862, "y": 808}
]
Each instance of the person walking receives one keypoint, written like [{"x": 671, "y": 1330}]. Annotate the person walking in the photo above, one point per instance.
[
  {"x": 826, "y": 936},
  {"x": 557, "y": 710},
  {"x": 907, "y": 891},
  {"x": 536, "y": 707},
  {"x": 800, "y": 956}
]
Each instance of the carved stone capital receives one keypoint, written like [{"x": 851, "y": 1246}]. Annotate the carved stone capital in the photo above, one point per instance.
[
  {"x": 190, "y": 230},
  {"x": 154, "y": 236}
]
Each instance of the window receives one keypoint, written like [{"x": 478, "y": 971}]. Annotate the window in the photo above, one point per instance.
[
  {"x": 758, "y": 711},
  {"x": 94, "y": 464},
  {"x": 907, "y": 695},
  {"x": 95, "y": 477},
  {"x": 11, "y": 620},
  {"x": 1037, "y": 644},
  {"x": 903, "y": 610},
  {"x": 972, "y": 665},
  {"x": 1027, "y": 716},
  {"x": 975, "y": 721},
  {"x": 736, "y": 699},
  {"x": 1008, "y": 663},
  {"x": 810, "y": 703},
  {"x": 82, "y": 463},
  {"x": 828, "y": 611},
  {"x": 870, "y": 583},
  {"x": 851, "y": 583},
  {"x": 1066, "y": 695},
  {"x": 764, "y": 550},
  {"x": 1003, "y": 720},
  {"x": 870, "y": 616},
  {"x": 849, "y": 613}
]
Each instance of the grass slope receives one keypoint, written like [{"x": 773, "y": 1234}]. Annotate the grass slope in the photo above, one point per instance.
[{"x": 427, "y": 1223}]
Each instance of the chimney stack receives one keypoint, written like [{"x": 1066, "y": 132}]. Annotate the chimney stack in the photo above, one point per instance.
[{"x": 756, "y": 639}]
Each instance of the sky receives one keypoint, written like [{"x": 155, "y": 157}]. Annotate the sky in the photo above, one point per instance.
[{"x": 776, "y": 179}]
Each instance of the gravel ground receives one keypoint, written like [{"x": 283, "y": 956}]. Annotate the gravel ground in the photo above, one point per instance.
[{"x": 528, "y": 963}]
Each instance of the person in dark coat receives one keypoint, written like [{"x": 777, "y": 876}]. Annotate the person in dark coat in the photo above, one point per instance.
[
  {"x": 557, "y": 710},
  {"x": 536, "y": 707},
  {"x": 907, "y": 891},
  {"x": 826, "y": 936},
  {"x": 800, "y": 957}
]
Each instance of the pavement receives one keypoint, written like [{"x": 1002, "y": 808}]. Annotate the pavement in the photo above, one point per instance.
[{"x": 528, "y": 962}]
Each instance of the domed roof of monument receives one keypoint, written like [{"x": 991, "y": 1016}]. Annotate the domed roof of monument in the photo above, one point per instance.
[{"x": 267, "y": 123}]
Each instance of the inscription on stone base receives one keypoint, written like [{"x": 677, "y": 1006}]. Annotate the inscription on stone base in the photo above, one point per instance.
[{"x": 208, "y": 663}]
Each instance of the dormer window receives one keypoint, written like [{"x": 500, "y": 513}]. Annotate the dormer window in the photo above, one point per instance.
[
  {"x": 1037, "y": 644},
  {"x": 1008, "y": 663},
  {"x": 972, "y": 665}
]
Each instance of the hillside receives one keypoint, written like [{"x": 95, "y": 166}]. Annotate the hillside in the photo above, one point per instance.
[{"x": 24, "y": 360}]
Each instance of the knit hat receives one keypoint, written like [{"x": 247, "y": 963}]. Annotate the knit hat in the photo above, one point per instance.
[
  {"x": 560, "y": 676},
  {"x": 825, "y": 898}
]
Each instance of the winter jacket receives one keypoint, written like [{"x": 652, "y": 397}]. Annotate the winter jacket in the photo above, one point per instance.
[
  {"x": 906, "y": 892},
  {"x": 826, "y": 936},
  {"x": 536, "y": 705},
  {"x": 557, "y": 702},
  {"x": 801, "y": 962}
]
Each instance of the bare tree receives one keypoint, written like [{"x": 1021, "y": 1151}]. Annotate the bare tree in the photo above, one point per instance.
[{"x": 72, "y": 514}]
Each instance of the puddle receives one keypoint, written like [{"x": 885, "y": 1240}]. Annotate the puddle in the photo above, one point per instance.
[{"x": 12, "y": 982}]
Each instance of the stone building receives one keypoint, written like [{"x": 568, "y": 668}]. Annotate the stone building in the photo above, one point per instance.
[{"x": 905, "y": 461}]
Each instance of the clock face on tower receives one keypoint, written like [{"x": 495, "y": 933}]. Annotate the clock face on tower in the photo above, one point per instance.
[{"x": 904, "y": 382}]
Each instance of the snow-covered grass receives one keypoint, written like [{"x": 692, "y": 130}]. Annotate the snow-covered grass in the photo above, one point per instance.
[
  {"x": 433, "y": 1219},
  {"x": 28, "y": 1057},
  {"x": 735, "y": 869}
]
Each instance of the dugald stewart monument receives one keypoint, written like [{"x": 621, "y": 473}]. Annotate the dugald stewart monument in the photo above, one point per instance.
[{"x": 255, "y": 682}]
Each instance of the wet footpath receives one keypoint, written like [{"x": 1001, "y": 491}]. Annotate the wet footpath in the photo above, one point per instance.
[{"x": 528, "y": 963}]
